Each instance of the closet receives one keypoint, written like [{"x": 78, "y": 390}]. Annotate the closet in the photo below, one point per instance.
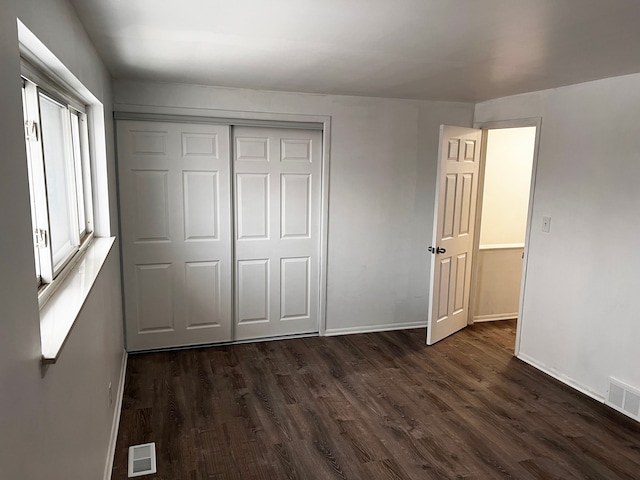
[{"x": 220, "y": 231}]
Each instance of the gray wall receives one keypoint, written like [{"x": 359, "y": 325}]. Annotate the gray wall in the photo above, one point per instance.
[
  {"x": 580, "y": 319},
  {"x": 56, "y": 424},
  {"x": 383, "y": 170}
]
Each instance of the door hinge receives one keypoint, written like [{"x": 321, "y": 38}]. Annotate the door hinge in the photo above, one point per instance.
[
  {"x": 41, "y": 238},
  {"x": 31, "y": 131}
]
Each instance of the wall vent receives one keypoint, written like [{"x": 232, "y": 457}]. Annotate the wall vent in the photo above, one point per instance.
[
  {"x": 624, "y": 398},
  {"x": 142, "y": 459}
]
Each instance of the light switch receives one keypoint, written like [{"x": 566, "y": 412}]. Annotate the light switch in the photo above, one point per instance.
[{"x": 546, "y": 224}]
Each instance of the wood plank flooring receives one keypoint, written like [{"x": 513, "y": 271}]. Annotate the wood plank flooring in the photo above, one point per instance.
[{"x": 371, "y": 406}]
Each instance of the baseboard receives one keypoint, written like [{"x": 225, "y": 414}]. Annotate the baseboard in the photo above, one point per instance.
[
  {"x": 498, "y": 316},
  {"x": 115, "y": 425},
  {"x": 374, "y": 328},
  {"x": 561, "y": 377}
]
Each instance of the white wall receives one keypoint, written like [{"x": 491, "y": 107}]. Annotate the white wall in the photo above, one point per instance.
[
  {"x": 580, "y": 317},
  {"x": 383, "y": 168},
  {"x": 507, "y": 179},
  {"x": 54, "y": 423}
]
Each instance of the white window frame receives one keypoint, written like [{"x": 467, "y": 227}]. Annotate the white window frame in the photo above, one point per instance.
[{"x": 49, "y": 275}]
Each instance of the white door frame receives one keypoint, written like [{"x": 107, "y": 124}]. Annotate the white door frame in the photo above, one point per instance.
[
  {"x": 257, "y": 119},
  {"x": 486, "y": 126}
]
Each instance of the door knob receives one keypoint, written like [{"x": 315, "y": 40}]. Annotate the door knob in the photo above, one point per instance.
[
  {"x": 431, "y": 249},
  {"x": 441, "y": 250}
]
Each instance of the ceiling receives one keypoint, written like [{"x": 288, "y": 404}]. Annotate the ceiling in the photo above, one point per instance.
[{"x": 458, "y": 50}]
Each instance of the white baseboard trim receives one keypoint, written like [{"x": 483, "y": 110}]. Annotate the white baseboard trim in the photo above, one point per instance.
[
  {"x": 115, "y": 425},
  {"x": 496, "y": 316},
  {"x": 330, "y": 332},
  {"x": 562, "y": 378}
]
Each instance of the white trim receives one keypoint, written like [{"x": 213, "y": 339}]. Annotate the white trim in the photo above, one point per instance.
[
  {"x": 477, "y": 227},
  {"x": 324, "y": 226},
  {"x": 228, "y": 115},
  {"x": 42, "y": 58},
  {"x": 225, "y": 121},
  {"x": 494, "y": 317},
  {"x": 120, "y": 111},
  {"x": 501, "y": 246},
  {"x": 375, "y": 328},
  {"x": 516, "y": 123},
  {"x": 115, "y": 424},
  {"x": 584, "y": 389},
  {"x": 64, "y": 95},
  {"x": 509, "y": 123}
]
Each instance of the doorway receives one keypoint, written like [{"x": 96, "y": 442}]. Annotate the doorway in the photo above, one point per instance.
[
  {"x": 502, "y": 219},
  {"x": 457, "y": 223}
]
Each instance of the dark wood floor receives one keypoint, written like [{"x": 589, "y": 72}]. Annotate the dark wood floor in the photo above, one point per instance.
[{"x": 374, "y": 406}]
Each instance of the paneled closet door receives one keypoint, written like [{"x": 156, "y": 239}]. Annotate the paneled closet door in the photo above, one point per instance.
[
  {"x": 175, "y": 204},
  {"x": 277, "y": 231}
]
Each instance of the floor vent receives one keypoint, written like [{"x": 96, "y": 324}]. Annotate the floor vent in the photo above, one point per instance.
[
  {"x": 142, "y": 459},
  {"x": 624, "y": 398}
]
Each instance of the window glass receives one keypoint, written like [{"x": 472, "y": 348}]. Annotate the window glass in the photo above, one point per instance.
[
  {"x": 77, "y": 160},
  {"x": 59, "y": 178}
]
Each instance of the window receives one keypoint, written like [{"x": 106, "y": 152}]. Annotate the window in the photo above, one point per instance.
[{"x": 56, "y": 135}]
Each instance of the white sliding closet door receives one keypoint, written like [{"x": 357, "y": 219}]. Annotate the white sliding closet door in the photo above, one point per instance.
[
  {"x": 277, "y": 231},
  {"x": 175, "y": 204}
]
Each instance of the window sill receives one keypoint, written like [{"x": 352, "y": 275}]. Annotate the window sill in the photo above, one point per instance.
[
  {"x": 59, "y": 314},
  {"x": 46, "y": 291}
]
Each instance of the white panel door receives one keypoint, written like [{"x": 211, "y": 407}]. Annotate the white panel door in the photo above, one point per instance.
[
  {"x": 277, "y": 229},
  {"x": 453, "y": 231},
  {"x": 175, "y": 204}
]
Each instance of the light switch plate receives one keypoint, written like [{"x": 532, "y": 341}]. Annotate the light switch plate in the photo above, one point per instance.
[{"x": 546, "y": 224}]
